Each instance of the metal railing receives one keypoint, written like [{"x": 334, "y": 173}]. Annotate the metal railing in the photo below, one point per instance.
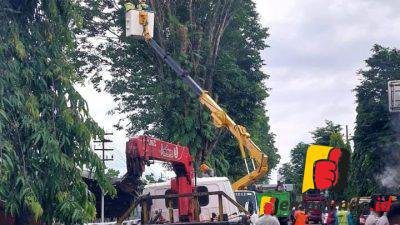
[
  {"x": 144, "y": 199},
  {"x": 128, "y": 222}
]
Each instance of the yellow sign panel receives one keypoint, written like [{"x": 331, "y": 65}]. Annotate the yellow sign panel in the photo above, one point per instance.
[
  {"x": 314, "y": 154},
  {"x": 265, "y": 200}
]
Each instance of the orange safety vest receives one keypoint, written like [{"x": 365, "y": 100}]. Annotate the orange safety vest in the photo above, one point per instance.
[{"x": 301, "y": 218}]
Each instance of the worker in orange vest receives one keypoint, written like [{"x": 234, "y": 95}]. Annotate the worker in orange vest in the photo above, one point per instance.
[{"x": 300, "y": 216}]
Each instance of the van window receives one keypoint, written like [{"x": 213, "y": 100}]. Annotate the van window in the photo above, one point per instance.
[
  {"x": 173, "y": 200},
  {"x": 248, "y": 200},
  {"x": 205, "y": 199}
]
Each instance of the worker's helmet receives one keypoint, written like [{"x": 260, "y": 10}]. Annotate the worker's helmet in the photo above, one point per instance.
[
  {"x": 204, "y": 167},
  {"x": 343, "y": 204}
]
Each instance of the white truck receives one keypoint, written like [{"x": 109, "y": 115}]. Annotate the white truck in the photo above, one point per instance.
[
  {"x": 208, "y": 204},
  {"x": 248, "y": 200}
]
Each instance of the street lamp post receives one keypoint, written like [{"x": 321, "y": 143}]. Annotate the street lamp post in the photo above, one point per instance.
[{"x": 394, "y": 96}]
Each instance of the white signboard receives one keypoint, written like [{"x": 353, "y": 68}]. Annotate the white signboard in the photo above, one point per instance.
[
  {"x": 394, "y": 95},
  {"x": 288, "y": 187}
]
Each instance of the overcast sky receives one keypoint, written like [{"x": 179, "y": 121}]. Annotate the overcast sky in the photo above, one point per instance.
[{"x": 316, "y": 48}]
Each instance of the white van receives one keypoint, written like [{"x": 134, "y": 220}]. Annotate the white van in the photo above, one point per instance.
[
  {"x": 248, "y": 200},
  {"x": 209, "y": 207}
]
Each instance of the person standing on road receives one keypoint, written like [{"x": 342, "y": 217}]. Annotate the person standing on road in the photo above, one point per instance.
[
  {"x": 268, "y": 218},
  {"x": 394, "y": 213},
  {"x": 292, "y": 214},
  {"x": 330, "y": 220},
  {"x": 300, "y": 216},
  {"x": 342, "y": 216},
  {"x": 372, "y": 218},
  {"x": 382, "y": 219},
  {"x": 351, "y": 217}
]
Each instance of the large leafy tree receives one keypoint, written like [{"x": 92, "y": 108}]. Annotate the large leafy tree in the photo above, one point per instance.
[
  {"x": 292, "y": 172},
  {"x": 376, "y": 136},
  {"x": 323, "y": 135},
  {"x": 45, "y": 128},
  {"x": 219, "y": 43}
]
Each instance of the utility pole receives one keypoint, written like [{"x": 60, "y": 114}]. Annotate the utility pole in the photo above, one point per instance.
[
  {"x": 347, "y": 135},
  {"x": 104, "y": 158}
]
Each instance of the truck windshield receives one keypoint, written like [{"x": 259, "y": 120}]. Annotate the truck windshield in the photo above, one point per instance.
[
  {"x": 315, "y": 205},
  {"x": 248, "y": 200}
]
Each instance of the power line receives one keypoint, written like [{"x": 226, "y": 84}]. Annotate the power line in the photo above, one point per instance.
[
  {"x": 103, "y": 149},
  {"x": 104, "y": 158}
]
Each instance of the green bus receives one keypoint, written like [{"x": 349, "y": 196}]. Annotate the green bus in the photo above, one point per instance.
[{"x": 282, "y": 203}]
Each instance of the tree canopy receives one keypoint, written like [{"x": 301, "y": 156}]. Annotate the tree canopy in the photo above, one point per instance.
[
  {"x": 220, "y": 46},
  {"x": 376, "y": 144},
  {"x": 45, "y": 127},
  {"x": 323, "y": 135}
]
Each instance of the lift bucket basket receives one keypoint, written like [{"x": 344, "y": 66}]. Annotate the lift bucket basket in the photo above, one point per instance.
[{"x": 133, "y": 23}]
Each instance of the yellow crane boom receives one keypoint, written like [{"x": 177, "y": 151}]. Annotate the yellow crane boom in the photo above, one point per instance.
[{"x": 220, "y": 117}]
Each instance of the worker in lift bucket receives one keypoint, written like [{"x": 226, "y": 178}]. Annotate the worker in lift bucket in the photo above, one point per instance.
[
  {"x": 143, "y": 5},
  {"x": 268, "y": 218}
]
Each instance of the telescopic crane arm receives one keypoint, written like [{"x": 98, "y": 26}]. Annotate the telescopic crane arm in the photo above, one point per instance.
[
  {"x": 220, "y": 117},
  {"x": 141, "y": 150}
]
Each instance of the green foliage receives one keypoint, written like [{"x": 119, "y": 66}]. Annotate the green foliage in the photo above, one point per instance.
[
  {"x": 151, "y": 179},
  {"x": 45, "y": 128},
  {"x": 112, "y": 173},
  {"x": 322, "y": 135},
  {"x": 336, "y": 140},
  {"x": 220, "y": 46},
  {"x": 375, "y": 141},
  {"x": 292, "y": 172}
]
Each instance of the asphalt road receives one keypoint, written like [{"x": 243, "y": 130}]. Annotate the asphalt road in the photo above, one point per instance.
[{"x": 290, "y": 223}]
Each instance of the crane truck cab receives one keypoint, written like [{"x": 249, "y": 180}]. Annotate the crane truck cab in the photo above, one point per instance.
[
  {"x": 248, "y": 200},
  {"x": 208, "y": 204}
]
